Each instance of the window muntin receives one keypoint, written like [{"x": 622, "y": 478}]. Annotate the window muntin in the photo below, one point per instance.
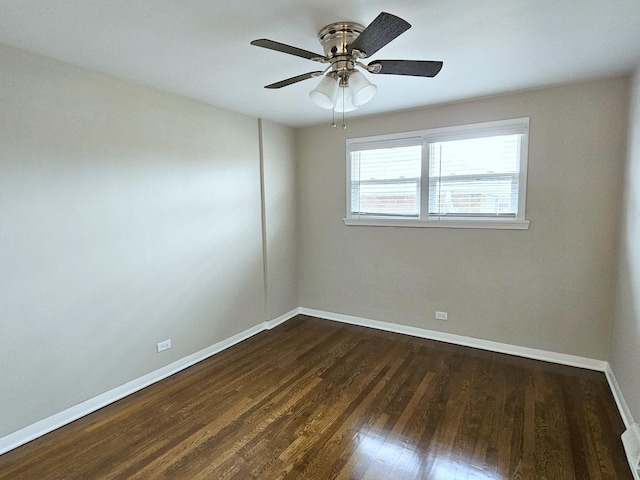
[{"x": 470, "y": 174}]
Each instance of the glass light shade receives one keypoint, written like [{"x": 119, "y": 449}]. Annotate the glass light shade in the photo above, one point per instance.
[
  {"x": 324, "y": 94},
  {"x": 362, "y": 90},
  {"x": 346, "y": 105}
]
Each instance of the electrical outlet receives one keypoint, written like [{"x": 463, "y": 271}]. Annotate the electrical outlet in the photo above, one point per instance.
[
  {"x": 164, "y": 345},
  {"x": 441, "y": 316}
]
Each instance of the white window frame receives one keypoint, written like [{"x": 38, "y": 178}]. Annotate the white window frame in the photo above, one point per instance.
[{"x": 459, "y": 132}]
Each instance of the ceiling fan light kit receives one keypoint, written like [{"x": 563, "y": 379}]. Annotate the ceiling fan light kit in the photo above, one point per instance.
[
  {"x": 344, "y": 102},
  {"x": 325, "y": 93},
  {"x": 356, "y": 86},
  {"x": 344, "y": 87},
  {"x": 362, "y": 90}
]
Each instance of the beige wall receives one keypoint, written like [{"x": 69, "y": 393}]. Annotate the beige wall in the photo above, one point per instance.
[
  {"x": 127, "y": 217},
  {"x": 550, "y": 287},
  {"x": 625, "y": 340},
  {"x": 280, "y": 233}
]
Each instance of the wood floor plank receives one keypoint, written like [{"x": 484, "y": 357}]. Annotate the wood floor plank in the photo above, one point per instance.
[{"x": 314, "y": 399}]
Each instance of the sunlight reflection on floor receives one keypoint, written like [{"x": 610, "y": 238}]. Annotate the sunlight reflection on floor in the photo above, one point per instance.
[
  {"x": 405, "y": 460},
  {"x": 446, "y": 469}
]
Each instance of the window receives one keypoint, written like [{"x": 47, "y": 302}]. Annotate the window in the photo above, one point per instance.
[{"x": 469, "y": 176}]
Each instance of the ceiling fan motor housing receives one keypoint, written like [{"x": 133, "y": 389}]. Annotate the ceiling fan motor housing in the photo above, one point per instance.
[{"x": 336, "y": 36}]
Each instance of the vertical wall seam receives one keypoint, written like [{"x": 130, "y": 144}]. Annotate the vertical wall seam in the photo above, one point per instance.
[{"x": 263, "y": 215}]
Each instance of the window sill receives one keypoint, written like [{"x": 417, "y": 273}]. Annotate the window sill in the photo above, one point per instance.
[{"x": 448, "y": 223}]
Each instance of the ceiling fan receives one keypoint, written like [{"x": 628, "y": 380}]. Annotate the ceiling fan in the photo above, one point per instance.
[{"x": 344, "y": 87}]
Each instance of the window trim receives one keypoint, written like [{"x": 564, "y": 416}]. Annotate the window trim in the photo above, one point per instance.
[{"x": 424, "y": 137}]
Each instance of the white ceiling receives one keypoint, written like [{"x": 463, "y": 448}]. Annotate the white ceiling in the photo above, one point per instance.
[{"x": 200, "y": 48}]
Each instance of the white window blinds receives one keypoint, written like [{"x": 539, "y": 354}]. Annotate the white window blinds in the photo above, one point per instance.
[
  {"x": 475, "y": 177},
  {"x": 385, "y": 178},
  {"x": 454, "y": 176}
]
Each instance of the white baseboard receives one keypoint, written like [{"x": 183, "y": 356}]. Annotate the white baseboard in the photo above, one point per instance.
[
  {"x": 631, "y": 442},
  {"x": 281, "y": 319},
  {"x": 631, "y": 437},
  {"x": 42, "y": 427},
  {"x": 534, "y": 353},
  {"x": 625, "y": 413}
]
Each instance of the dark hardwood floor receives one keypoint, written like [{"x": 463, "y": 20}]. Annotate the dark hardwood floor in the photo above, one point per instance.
[{"x": 314, "y": 399}]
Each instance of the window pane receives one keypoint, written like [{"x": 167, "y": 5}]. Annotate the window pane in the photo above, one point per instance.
[
  {"x": 495, "y": 195},
  {"x": 475, "y": 177},
  {"x": 386, "y": 181}
]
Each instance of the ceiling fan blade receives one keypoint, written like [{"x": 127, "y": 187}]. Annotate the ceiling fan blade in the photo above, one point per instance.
[
  {"x": 381, "y": 31},
  {"x": 415, "y": 68},
  {"x": 281, "y": 47},
  {"x": 296, "y": 79}
]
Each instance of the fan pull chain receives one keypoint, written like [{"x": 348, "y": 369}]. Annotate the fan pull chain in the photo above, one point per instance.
[
  {"x": 333, "y": 115},
  {"x": 344, "y": 125}
]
